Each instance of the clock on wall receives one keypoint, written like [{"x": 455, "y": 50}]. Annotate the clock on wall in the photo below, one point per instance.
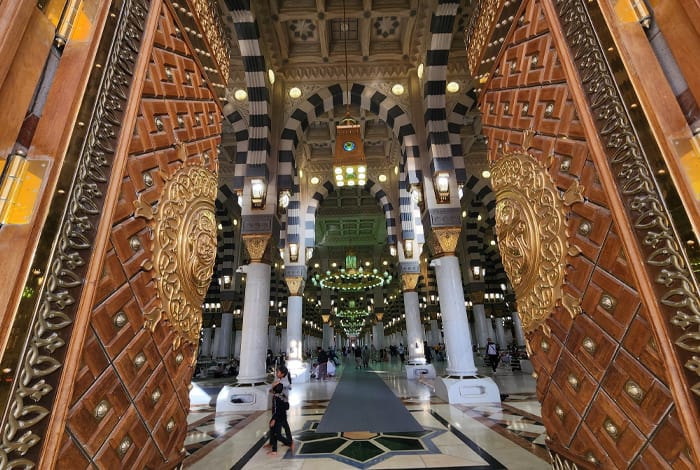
[{"x": 349, "y": 146}]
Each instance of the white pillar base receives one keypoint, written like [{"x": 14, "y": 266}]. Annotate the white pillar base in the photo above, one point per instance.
[
  {"x": 467, "y": 390},
  {"x": 300, "y": 372},
  {"x": 416, "y": 371},
  {"x": 244, "y": 397}
]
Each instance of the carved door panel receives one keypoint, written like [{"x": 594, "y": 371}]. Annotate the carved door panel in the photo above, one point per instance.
[
  {"x": 610, "y": 394},
  {"x": 135, "y": 254}
]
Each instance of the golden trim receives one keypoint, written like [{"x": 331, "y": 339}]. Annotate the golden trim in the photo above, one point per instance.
[
  {"x": 184, "y": 248},
  {"x": 409, "y": 281},
  {"x": 443, "y": 240},
  {"x": 256, "y": 244},
  {"x": 295, "y": 285},
  {"x": 532, "y": 239}
]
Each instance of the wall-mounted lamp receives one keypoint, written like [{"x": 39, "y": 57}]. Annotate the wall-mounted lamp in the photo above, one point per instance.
[
  {"x": 309, "y": 253},
  {"x": 285, "y": 197},
  {"x": 477, "y": 272},
  {"x": 408, "y": 248},
  {"x": 392, "y": 250},
  {"x": 258, "y": 192},
  {"x": 293, "y": 252},
  {"x": 442, "y": 186}
]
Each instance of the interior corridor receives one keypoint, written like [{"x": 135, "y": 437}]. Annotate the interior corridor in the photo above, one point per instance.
[{"x": 509, "y": 435}]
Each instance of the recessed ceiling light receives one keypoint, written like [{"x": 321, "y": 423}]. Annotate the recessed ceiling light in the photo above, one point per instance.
[
  {"x": 382, "y": 178},
  {"x": 486, "y": 174},
  {"x": 420, "y": 70},
  {"x": 397, "y": 89},
  {"x": 396, "y": 170},
  {"x": 314, "y": 180},
  {"x": 271, "y": 75},
  {"x": 453, "y": 87},
  {"x": 240, "y": 94},
  {"x": 294, "y": 92}
]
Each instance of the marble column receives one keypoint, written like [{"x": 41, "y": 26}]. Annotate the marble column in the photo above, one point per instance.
[
  {"x": 215, "y": 343},
  {"x": 460, "y": 359},
  {"x": 326, "y": 336},
  {"x": 205, "y": 350},
  {"x": 414, "y": 337},
  {"x": 434, "y": 333},
  {"x": 518, "y": 327},
  {"x": 500, "y": 333},
  {"x": 480, "y": 320},
  {"x": 272, "y": 342},
  {"x": 237, "y": 344},
  {"x": 489, "y": 328},
  {"x": 294, "y": 344},
  {"x": 255, "y": 323},
  {"x": 226, "y": 332}
]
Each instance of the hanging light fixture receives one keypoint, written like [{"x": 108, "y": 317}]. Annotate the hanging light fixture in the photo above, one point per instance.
[{"x": 349, "y": 160}]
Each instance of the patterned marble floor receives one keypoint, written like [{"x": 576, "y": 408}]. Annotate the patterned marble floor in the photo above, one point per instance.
[{"x": 509, "y": 435}]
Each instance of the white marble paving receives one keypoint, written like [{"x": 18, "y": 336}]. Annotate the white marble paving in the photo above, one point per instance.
[{"x": 453, "y": 452}]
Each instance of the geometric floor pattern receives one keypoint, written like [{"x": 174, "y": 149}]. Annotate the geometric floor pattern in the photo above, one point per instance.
[{"x": 361, "y": 449}]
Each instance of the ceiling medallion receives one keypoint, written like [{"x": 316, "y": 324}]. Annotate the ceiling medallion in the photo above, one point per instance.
[
  {"x": 184, "y": 247},
  {"x": 532, "y": 238}
]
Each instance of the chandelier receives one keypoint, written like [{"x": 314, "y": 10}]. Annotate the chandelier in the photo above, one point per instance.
[
  {"x": 351, "y": 278},
  {"x": 349, "y": 161}
]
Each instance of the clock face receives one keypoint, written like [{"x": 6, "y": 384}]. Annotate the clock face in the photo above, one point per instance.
[{"x": 349, "y": 146}]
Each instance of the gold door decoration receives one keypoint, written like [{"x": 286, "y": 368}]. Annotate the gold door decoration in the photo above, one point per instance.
[
  {"x": 184, "y": 249},
  {"x": 532, "y": 239}
]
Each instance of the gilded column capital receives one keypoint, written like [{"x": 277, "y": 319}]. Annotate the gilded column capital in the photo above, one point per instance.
[
  {"x": 257, "y": 244},
  {"x": 295, "y": 285},
  {"x": 442, "y": 241},
  {"x": 409, "y": 281},
  {"x": 477, "y": 297}
]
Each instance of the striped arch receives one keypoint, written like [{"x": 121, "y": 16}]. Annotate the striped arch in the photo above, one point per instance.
[
  {"x": 225, "y": 264},
  {"x": 325, "y": 100},
  {"x": 248, "y": 37},
  {"x": 374, "y": 189},
  {"x": 438, "y": 141},
  {"x": 474, "y": 183},
  {"x": 380, "y": 104},
  {"x": 240, "y": 129}
]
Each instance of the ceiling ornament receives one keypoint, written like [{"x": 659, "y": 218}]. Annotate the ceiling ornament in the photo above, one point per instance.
[
  {"x": 349, "y": 160},
  {"x": 351, "y": 278},
  {"x": 184, "y": 247},
  {"x": 532, "y": 238}
]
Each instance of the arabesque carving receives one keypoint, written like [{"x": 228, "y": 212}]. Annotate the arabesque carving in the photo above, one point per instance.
[
  {"x": 295, "y": 285},
  {"x": 184, "y": 249},
  {"x": 443, "y": 240},
  {"x": 478, "y": 31},
  {"x": 33, "y": 394},
  {"x": 256, "y": 244},
  {"x": 409, "y": 281},
  {"x": 531, "y": 228}
]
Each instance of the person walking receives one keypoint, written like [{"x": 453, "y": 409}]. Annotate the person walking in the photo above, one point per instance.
[
  {"x": 365, "y": 357},
  {"x": 280, "y": 405},
  {"x": 492, "y": 354},
  {"x": 428, "y": 352},
  {"x": 358, "y": 357},
  {"x": 402, "y": 352}
]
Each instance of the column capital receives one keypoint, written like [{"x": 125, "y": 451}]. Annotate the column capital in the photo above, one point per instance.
[
  {"x": 477, "y": 297},
  {"x": 409, "y": 281},
  {"x": 442, "y": 241},
  {"x": 295, "y": 285},
  {"x": 257, "y": 246}
]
